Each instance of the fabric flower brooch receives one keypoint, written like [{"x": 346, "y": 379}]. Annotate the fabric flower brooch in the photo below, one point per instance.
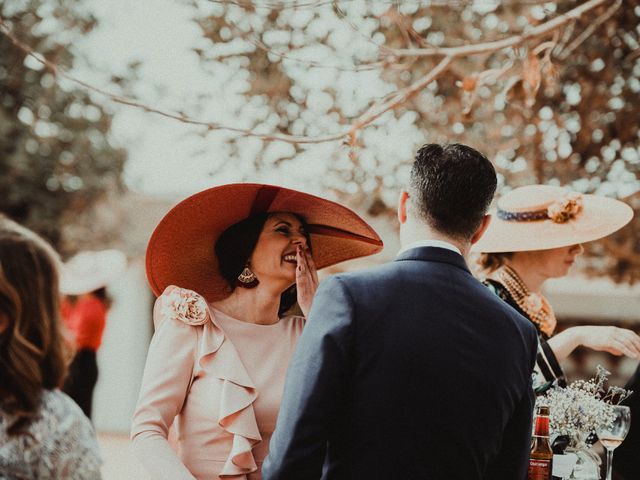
[
  {"x": 186, "y": 306},
  {"x": 561, "y": 211}
]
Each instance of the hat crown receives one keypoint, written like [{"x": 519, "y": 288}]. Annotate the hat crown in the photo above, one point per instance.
[
  {"x": 541, "y": 217},
  {"x": 531, "y": 198}
]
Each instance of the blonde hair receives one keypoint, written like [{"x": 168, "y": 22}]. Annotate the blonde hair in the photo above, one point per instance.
[{"x": 31, "y": 345}]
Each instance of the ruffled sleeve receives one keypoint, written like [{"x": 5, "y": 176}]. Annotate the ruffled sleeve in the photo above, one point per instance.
[
  {"x": 165, "y": 382},
  {"x": 188, "y": 343},
  {"x": 236, "y": 414}
]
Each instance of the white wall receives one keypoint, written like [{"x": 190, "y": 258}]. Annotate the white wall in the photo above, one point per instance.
[
  {"x": 124, "y": 348},
  {"x": 594, "y": 299}
]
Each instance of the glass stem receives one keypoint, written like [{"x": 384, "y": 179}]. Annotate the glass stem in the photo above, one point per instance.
[{"x": 609, "y": 463}]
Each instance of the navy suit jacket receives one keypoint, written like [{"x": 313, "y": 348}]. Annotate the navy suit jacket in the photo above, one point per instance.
[{"x": 412, "y": 370}]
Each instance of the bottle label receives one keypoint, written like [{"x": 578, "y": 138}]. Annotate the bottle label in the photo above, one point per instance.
[{"x": 539, "y": 469}]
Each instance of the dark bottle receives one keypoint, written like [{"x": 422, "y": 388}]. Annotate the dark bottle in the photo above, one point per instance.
[{"x": 541, "y": 459}]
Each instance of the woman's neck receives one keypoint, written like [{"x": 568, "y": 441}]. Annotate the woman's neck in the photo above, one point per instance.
[
  {"x": 256, "y": 305},
  {"x": 527, "y": 273}
]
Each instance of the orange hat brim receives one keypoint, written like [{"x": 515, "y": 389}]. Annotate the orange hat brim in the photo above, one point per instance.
[{"x": 181, "y": 248}]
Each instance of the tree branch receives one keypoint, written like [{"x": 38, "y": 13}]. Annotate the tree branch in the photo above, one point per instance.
[
  {"x": 513, "y": 41},
  {"x": 53, "y": 68},
  {"x": 377, "y": 110},
  {"x": 283, "y": 5},
  {"x": 373, "y": 113},
  {"x": 370, "y": 115},
  {"x": 311, "y": 63},
  {"x": 587, "y": 32}
]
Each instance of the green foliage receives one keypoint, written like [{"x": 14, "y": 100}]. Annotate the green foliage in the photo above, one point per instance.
[{"x": 56, "y": 160}]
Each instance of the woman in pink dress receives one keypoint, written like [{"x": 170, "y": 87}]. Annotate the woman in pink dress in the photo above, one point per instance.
[{"x": 230, "y": 263}]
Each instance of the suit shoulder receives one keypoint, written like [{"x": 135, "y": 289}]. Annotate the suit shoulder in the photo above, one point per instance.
[
  {"x": 366, "y": 275},
  {"x": 490, "y": 298},
  {"x": 522, "y": 321},
  {"x": 524, "y": 325}
]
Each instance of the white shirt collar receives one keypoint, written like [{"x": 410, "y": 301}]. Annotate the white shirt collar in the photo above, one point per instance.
[{"x": 431, "y": 243}]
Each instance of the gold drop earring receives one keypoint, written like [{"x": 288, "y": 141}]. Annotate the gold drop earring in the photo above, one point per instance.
[{"x": 247, "y": 279}]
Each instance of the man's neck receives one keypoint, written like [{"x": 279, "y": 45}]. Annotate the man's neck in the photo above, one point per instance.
[{"x": 411, "y": 233}]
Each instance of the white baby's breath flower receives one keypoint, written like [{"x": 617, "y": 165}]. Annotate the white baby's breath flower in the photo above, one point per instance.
[
  {"x": 583, "y": 406},
  {"x": 186, "y": 306}
]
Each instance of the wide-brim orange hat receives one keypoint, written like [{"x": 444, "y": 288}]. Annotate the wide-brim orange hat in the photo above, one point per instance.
[
  {"x": 181, "y": 249},
  {"x": 541, "y": 217}
]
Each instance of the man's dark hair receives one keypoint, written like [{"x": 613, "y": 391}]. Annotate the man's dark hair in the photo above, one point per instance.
[{"x": 451, "y": 188}]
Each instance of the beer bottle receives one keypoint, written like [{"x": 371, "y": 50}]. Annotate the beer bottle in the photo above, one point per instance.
[{"x": 541, "y": 459}]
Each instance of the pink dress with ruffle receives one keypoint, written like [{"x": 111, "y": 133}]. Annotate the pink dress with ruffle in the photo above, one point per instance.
[{"x": 222, "y": 381}]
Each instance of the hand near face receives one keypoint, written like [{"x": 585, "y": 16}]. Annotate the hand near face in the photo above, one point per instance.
[
  {"x": 618, "y": 341},
  {"x": 306, "y": 279}
]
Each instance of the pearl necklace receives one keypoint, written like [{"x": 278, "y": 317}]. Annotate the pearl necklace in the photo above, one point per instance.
[{"x": 536, "y": 306}]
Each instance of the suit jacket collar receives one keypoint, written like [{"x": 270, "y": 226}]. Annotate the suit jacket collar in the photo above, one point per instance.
[{"x": 434, "y": 254}]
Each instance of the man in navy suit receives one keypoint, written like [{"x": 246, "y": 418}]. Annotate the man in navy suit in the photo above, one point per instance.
[{"x": 413, "y": 370}]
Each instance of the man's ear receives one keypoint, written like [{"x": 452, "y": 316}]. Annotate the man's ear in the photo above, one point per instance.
[
  {"x": 486, "y": 220},
  {"x": 402, "y": 206}
]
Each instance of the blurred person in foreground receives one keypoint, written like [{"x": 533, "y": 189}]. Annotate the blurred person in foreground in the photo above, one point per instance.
[
  {"x": 84, "y": 311},
  {"x": 537, "y": 233},
  {"x": 413, "y": 369},
  {"x": 626, "y": 461},
  {"x": 227, "y": 265},
  {"x": 43, "y": 433}
]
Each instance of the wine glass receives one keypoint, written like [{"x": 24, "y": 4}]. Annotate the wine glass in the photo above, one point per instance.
[{"x": 613, "y": 435}]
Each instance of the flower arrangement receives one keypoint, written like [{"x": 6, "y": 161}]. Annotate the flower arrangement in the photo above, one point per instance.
[
  {"x": 565, "y": 209},
  {"x": 582, "y": 407}
]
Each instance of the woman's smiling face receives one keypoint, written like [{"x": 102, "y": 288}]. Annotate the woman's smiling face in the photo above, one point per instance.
[{"x": 274, "y": 257}]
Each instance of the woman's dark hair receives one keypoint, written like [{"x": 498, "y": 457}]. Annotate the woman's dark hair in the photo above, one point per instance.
[
  {"x": 490, "y": 262},
  {"x": 237, "y": 243},
  {"x": 31, "y": 346}
]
